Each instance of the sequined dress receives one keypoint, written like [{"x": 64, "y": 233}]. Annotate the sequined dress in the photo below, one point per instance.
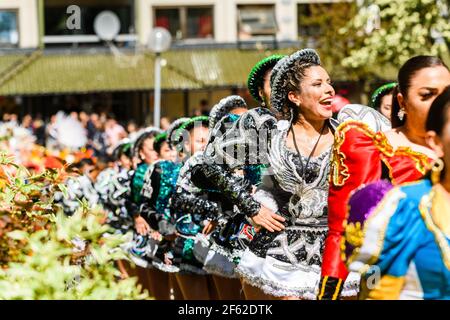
[
  {"x": 113, "y": 187},
  {"x": 140, "y": 249},
  {"x": 223, "y": 248},
  {"x": 158, "y": 188},
  {"x": 285, "y": 263},
  {"x": 193, "y": 207}
]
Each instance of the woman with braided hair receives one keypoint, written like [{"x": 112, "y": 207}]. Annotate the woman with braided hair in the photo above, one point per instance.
[
  {"x": 289, "y": 207},
  {"x": 192, "y": 210},
  {"x": 153, "y": 208}
]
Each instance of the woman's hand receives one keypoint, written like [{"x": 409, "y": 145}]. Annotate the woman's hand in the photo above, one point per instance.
[
  {"x": 167, "y": 259},
  {"x": 209, "y": 227},
  {"x": 269, "y": 220},
  {"x": 141, "y": 226},
  {"x": 155, "y": 235}
]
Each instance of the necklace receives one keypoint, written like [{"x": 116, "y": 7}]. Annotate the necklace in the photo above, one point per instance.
[{"x": 305, "y": 167}]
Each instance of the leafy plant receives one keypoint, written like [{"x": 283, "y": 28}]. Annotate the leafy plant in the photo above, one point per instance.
[
  {"x": 47, "y": 255},
  {"x": 407, "y": 28}
]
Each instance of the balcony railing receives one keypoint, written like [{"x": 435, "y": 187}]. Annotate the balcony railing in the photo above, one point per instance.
[{"x": 86, "y": 39}]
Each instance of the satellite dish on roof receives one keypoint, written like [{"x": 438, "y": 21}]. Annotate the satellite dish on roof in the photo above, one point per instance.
[{"x": 107, "y": 25}]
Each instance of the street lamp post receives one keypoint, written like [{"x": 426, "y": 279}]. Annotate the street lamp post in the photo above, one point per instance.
[{"x": 159, "y": 41}]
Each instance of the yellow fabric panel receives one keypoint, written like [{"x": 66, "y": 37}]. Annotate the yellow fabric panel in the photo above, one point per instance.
[
  {"x": 388, "y": 288},
  {"x": 441, "y": 211}
]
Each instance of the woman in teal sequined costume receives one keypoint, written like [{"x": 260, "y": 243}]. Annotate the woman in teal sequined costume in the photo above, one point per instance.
[
  {"x": 158, "y": 188},
  {"x": 143, "y": 156},
  {"x": 193, "y": 211}
]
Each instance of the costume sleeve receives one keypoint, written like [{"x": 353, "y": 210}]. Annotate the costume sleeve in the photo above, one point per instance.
[
  {"x": 245, "y": 142},
  {"x": 234, "y": 188},
  {"x": 390, "y": 241},
  {"x": 149, "y": 196},
  {"x": 369, "y": 116},
  {"x": 131, "y": 207},
  {"x": 133, "y": 201},
  {"x": 190, "y": 203},
  {"x": 356, "y": 161},
  {"x": 188, "y": 198}
]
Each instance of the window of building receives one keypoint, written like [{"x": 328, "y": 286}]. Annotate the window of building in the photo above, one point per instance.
[
  {"x": 186, "y": 22},
  {"x": 9, "y": 31},
  {"x": 315, "y": 19},
  {"x": 170, "y": 20},
  {"x": 56, "y": 17},
  {"x": 256, "y": 22},
  {"x": 308, "y": 25}
]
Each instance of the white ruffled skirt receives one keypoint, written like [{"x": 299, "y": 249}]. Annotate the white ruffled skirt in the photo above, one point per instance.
[{"x": 278, "y": 278}]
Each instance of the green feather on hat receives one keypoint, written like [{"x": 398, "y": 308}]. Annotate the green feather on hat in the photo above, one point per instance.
[
  {"x": 381, "y": 91},
  {"x": 255, "y": 77}
]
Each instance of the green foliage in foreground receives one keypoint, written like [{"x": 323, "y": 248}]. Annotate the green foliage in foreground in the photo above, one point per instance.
[{"x": 47, "y": 255}]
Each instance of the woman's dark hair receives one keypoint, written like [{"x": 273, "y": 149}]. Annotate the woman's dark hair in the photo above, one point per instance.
[
  {"x": 287, "y": 75},
  {"x": 139, "y": 144},
  {"x": 124, "y": 149},
  {"x": 378, "y": 103},
  {"x": 405, "y": 75},
  {"x": 294, "y": 79},
  {"x": 438, "y": 114},
  {"x": 159, "y": 141}
]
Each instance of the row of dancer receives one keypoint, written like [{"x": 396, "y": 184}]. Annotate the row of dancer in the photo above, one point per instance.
[{"x": 254, "y": 203}]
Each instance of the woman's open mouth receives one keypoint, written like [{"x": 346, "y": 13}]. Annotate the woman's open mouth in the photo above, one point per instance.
[{"x": 326, "y": 102}]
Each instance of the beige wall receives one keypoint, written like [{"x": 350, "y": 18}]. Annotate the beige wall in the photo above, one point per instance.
[
  {"x": 27, "y": 20},
  {"x": 225, "y": 16}
]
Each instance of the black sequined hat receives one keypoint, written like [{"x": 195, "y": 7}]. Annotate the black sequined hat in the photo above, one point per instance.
[
  {"x": 278, "y": 96},
  {"x": 225, "y": 106},
  {"x": 171, "y": 131}
]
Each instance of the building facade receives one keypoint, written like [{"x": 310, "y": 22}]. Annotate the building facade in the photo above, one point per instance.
[
  {"x": 33, "y": 23},
  {"x": 51, "y": 56}
]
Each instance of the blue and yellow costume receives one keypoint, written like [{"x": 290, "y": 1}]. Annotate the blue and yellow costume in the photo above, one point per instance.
[{"x": 404, "y": 242}]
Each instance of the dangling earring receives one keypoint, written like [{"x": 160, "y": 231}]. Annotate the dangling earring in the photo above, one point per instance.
[
  {"x": 436, "y": 171},
  {"x": 401, "y": 114},
  {"x": 263, "y": 104}
]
